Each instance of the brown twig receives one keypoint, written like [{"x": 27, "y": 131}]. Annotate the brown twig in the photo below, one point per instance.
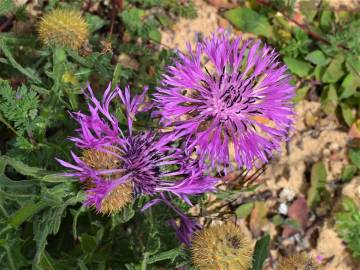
[{"x": 115, "y": 6}]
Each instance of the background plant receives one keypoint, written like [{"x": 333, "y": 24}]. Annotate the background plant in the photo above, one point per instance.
[{"x": 42, "y": 222}]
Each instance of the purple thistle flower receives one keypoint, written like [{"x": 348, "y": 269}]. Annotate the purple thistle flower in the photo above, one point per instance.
[
  {"x": 228, "y": 96},
  {"x": 115, "y": 166}
]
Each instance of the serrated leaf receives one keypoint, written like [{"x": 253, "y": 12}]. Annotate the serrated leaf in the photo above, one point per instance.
[
  {"x": 166, "y": 255},
  {"x": 318, "y": 184},
  {"x": 261, "y": 252},
  {"x": 317, "y": 57},
  {"x": 248, "y": 20},
  {"x": 297, "y": 67}
]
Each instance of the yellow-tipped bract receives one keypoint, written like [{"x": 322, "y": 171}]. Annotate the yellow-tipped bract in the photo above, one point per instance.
[
  {"x": 298, "y": 262},
  {"x": 122, "y": 194},
  {"x": 221, "y": 247},
  {"x": 63, "y": 27}
]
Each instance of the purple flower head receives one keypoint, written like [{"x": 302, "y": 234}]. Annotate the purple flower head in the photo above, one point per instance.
[
  {"x": 117, "y": 165},
  {"x": 228, "y": 96}
]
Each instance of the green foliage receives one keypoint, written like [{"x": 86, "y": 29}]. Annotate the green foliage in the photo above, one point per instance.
[
  {"x": 248, "y": 20},
  {"x": 348, "y": 224},
  {"x": 261, "y": 252},
  {"x": 7, "y": 6},
  {"x": 320, "y": 46},
  {"x": 20, "y": 106},
  {"x": 317, "y": 189},
  {"x": 43, "y": 224}
]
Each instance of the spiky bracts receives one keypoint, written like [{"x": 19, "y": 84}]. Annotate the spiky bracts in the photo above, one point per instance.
[
  {"x": 63, "y": 27},
  {"x": 116, "y": 165},
  {"x": 221, "y": 247},
  {"x": 299, "y": 262},
  {"x": 228, "y": 95}
]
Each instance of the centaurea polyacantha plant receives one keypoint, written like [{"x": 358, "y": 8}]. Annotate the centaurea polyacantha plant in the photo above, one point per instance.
[
  {"x": 117, "y": 166},
  {"x": 228, "y": 96}
]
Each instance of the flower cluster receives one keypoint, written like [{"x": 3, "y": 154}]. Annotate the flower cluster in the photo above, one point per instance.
[
  {"x": 116, "y": 166},
  {"x": 228, "y": 97},
  {"x": 227, "y": 100}
]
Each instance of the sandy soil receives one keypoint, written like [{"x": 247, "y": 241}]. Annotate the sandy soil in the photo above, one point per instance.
[{"x": 316, "y": 137}]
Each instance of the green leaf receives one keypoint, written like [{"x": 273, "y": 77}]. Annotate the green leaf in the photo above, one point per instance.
[
  {"x": 347, "y": 225},
  {"x": 94, "y": 22},
  {"x": 166, "y": 255},
  {"x": 350, "y": 83},
  {"x": 88, "y": 243},
  {"x": 329, "y": 99},
  {"x": 354, "y": 155},
  {"x": 261, "y": 252},
  {"x": 30, "y": 73},
  {"x": 335, "y": 70},
  {"x": 308, "y": 9},
  {"x": 326, "y": 19},
  {"x": 155, "y": 35},
  {"x": 24, "y": 169},
  {"x": 317, "y": 57},
  {"x": 7, "y": 6},
  {"x": 124, "y": 216},
  {"x": 248, "y": 20},
  {"x": 347, "y": 114},
  {"x": 297, "y": 67},
  {"x": 20, "y": 107},
  {"x": 318, "y": 184},
  {"x": 244, "y": 210},
  {"x": 348, "y": 173},
  {"x": 27, "y": 211},
  {"x": 353, "y": 64},
  {"x": 301, "y": 93}
]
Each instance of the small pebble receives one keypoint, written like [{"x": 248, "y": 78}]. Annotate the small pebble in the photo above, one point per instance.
[
  {"x": 326, "y": 152},
  {"x": 287, "y": 195},
  {"x": 283, "y": 209}
]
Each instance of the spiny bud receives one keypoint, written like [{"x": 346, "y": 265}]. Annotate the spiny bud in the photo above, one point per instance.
[
  {"x": 299, "y": 262},
  {"x": 221, "y": 247},
  {"x": 63, "y": 27},
  {"x": 118, "y": 197}
]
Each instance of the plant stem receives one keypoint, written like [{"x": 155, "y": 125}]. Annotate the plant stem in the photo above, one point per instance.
[{"x": 7, "y": 124}]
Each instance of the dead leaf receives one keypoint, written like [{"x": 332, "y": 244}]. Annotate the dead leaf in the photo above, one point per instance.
[
  {"x": 258, "y": 218},
  {"x": 354, "y": 132},
  {"x": 298, "y": 211}
]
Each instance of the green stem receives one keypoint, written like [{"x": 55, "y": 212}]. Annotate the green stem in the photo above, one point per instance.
[
  {"x": 10, "y": 257},
  {"x": 145, "y": 261},
  {"x": 7, "y": 124},
  {"x": 25, "y": 212}
]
